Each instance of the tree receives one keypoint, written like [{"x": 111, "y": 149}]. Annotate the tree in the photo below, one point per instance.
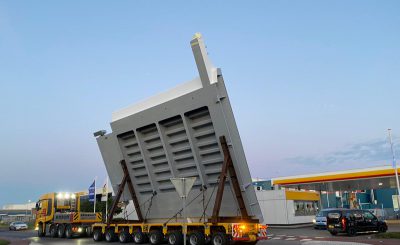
[{"x": 87, "y": 206}]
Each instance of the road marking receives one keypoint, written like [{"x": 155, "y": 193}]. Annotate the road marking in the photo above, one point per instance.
[
  {"x": 332, "y": 243},
  {"x": 303, "y": 236},
  {"x": 306, "y": 239},
  {"x": 290, "y": 239},
  {"x": 276, "y": 238},
  {"x": 289, "y": 236},
  {"x": 319, "y": 237}
]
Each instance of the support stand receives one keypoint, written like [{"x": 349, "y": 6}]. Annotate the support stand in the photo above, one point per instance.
[
  {"x": 228, "y": 166},
  {"x": 125, "y": 180}
]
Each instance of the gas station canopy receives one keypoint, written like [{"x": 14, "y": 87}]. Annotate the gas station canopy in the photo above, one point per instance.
[{"x": 349, "y": 180}]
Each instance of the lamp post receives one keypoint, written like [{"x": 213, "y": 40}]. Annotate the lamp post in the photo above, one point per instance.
[
  {"x": 27, "y": 206},
  {"x": 395, "y": 167}
]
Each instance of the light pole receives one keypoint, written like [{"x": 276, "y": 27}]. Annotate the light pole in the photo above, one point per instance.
[
  {"x": 395, "y": 167},
  {"x": 27, "y": 206}
]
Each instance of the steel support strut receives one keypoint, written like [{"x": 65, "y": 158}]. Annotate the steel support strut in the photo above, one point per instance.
[
  {"x": 227, "y": 166},
  {"x": 125, "y": 180}
]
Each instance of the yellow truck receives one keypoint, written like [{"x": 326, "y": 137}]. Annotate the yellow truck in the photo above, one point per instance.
[{"x": 59, "y": 215}]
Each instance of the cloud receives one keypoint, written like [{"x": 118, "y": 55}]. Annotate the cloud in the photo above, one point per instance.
[{"x": 372, "y": 151}]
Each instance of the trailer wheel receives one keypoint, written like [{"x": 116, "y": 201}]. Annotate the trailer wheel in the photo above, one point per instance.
[
  {"x": 53, "y": 231},
  {"x": 97, "y": 235},
  {"x": 123, "y": 236},
  {"x": 175, "y": 238},
  {"x": 156, "y": 237},
  {"x": 88, "y": 231},
  {"x": 68, "y": 232},
  {"x": 41, "y": 231},
  {"x": 139, "y": 237},
  {"x": 219, "y": 238},
  {"x": 197, "y": 238},
  {"x": 110, "y": 235},
  {"x": 207, "y": 240},
  {"x": 61, "y": 231}
]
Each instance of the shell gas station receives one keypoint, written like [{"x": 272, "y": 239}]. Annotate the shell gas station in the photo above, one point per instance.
[{"x": 299, "y": 198}]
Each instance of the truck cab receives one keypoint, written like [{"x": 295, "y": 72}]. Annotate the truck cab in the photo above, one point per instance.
[{"x": 59, "y": 215}]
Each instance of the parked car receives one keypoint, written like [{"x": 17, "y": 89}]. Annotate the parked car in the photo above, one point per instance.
[
  {"x": 320, "y": 219},
  {"x": 352, "y": 221},
  {"x": 18, "y": 226}
]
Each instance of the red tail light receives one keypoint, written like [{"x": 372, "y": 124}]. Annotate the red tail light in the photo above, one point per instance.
[{"x": 344, "y": 224}]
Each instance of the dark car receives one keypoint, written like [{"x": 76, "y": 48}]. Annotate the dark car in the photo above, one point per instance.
[
  {"x": 320, "y": 219},
  {"x": 352, "y": 221}
]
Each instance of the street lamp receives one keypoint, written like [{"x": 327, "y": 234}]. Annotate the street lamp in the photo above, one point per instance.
[
  {"x": 27, "y": 206},
  {"x": 395, "y": 168}
]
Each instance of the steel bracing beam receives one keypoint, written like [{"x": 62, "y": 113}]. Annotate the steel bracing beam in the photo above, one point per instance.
[
  {"x": 125, "y": 180},
  {"x": 227, "y": 166}
]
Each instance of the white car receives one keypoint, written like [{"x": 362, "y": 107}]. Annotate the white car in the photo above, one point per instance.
[{"x": 18, "y": 226}]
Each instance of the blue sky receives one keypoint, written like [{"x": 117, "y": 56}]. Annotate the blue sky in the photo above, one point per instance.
[{"x": 314, "y": 84}]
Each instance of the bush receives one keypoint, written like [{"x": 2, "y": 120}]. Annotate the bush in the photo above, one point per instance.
[{"x": 4, "y": 242}]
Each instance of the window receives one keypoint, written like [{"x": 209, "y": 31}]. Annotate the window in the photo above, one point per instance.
[
  {"x": 357, "y": 215},
  {"x": 368, "y": 215},
  {"x": 305, "y": 208},
  {"x": 334, "y": 215}
]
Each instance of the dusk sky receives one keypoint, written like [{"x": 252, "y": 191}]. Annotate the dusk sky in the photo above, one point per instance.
[{"x": 314, "y": 85}]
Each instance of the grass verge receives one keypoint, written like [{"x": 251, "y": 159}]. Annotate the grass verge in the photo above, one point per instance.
[
  {"x": 4, "y": 242},
  {"x": 395, "y": 235}
]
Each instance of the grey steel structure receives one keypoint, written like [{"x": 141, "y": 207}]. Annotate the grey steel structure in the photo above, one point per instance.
[{"x": 176, "y": 134}]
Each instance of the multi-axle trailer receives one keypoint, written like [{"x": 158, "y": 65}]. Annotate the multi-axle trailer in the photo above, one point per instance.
[
  {"x": 187, "y": 132},
  {"x": 218, "y": 230}
]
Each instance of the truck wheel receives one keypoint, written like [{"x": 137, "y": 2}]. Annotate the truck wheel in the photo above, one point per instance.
[
  {"x": 41, "y": 232},
  {"x": 68, "y": 232},
  {"x": 197, "y": 238},
  {"x": 351, "y": 231},
  {"x": 61, "y": 231},
  {"x": 156, "y": 237},
  {"x": 219, "y": 238},
  {"x": 333, "y": 233},
  {"x": 97, "y": 235},
  {"x": 110, "y": 235},
  {"x": 139, "y": 237},
  {"x": 53, "y": 231},
  {"x": 175, "y": 238},
  {"x": 124, "y": 236}
]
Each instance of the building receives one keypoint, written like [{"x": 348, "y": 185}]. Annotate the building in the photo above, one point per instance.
[
  {"x": 17, "y": 212},
  {"x": 287, "y": 207},
  {"x": 369, "y": 188}
]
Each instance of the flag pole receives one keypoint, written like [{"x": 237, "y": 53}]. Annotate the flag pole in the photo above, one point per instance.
[
  {"x": 107, "y": 199},
  {"x": 94, "y": 206}
]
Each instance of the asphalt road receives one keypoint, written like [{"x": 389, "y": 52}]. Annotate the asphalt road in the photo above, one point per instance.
[{"x": 301, "y": 236}]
